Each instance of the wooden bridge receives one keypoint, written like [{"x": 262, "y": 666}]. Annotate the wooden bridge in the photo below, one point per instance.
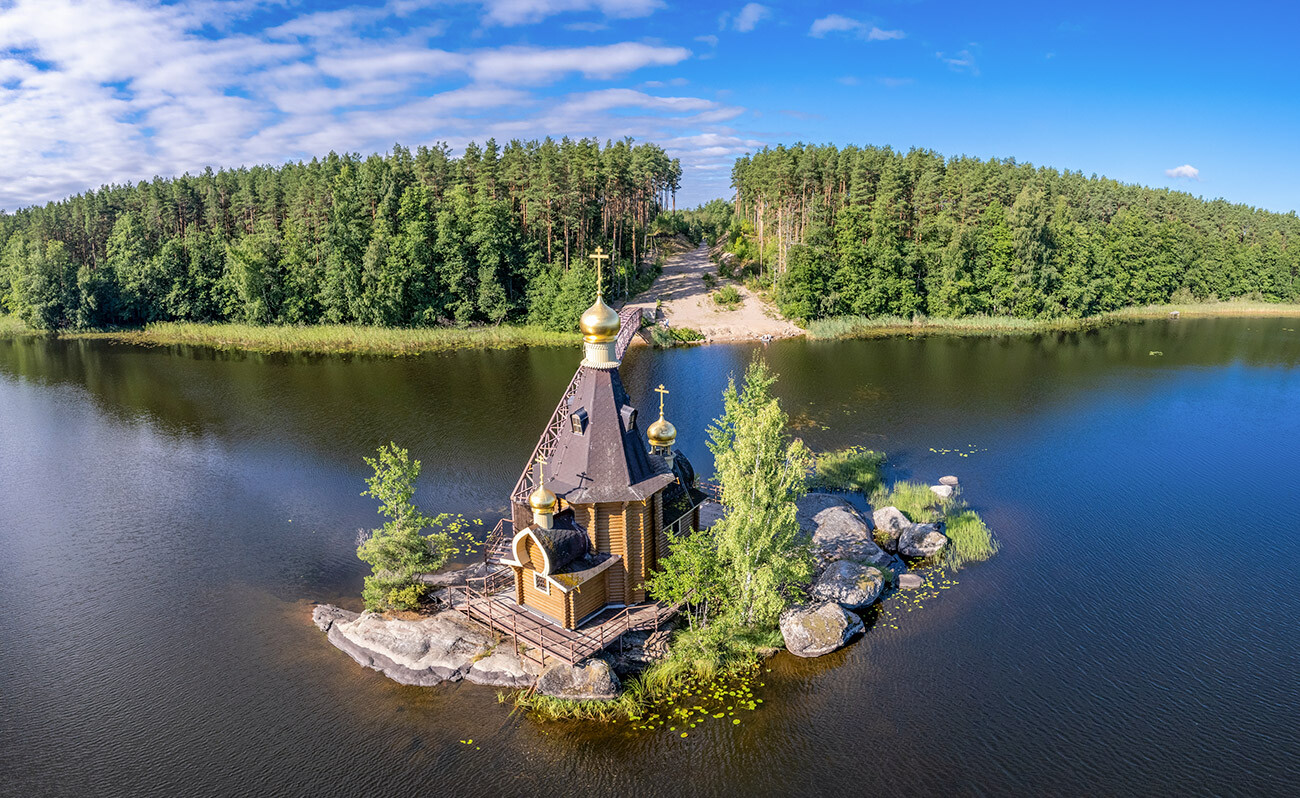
[{"x": 490, "y": 601}]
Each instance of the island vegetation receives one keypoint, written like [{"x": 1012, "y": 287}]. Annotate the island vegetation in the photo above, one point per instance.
[{"x": 886, "y": 237}]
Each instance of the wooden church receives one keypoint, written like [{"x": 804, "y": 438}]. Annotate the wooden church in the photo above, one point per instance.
[{"x": 606, "y": 502}]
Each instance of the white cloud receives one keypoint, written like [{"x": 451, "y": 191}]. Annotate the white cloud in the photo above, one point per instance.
[
  {"x": 111, "y": 91},
  {"x": 749, "y": 17},
  {"x": 710, "y": 40},
  {"x": 522, "y": 12},
  {"x": 962, "y": 61},
  {"x": 837, "y": 23},
  {"x": 1186, "y": 171}
]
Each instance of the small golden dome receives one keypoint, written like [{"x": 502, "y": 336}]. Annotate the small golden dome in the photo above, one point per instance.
[
  {"x": 542, "y": 500},
  {"x": 599, "y": 324},
  {"x": 662, "y": 433}
]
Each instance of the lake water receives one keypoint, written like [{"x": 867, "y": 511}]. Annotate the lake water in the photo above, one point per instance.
[{"x": 167, "y": 516}]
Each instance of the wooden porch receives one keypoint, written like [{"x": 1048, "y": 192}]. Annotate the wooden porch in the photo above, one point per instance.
[{"x": 490, "y": 601}]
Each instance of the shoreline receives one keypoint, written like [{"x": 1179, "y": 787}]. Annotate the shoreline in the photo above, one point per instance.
[{"x": 350, "y": 339}]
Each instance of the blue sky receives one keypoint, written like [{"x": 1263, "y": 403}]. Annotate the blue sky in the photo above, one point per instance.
[{"x": 1201, "y": 98}]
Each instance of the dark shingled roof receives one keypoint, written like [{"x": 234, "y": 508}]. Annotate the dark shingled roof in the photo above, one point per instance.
[
  {"x": 608, "y": 461},
  {"x": 681, "y": 496},
  {"x": 565, "y": 541}
]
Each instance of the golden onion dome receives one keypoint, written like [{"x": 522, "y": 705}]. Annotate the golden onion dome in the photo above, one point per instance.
[
  {"x": 662, "y": 433},
  {"x": 599, "y": 324},
  {"x": 542, "y": 500}
]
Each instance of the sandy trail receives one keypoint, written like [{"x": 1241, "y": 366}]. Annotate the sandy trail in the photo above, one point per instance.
[{"x": 686, "y": 303}]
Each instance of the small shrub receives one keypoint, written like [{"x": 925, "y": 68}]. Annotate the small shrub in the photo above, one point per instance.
[
  {"x": 852, "y": 469},
  {"x": 710, "y": 280},
  {"x": 727, "y": 297}
]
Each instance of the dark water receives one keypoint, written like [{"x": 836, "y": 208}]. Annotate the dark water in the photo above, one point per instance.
[{"x": 167, "y": 516}]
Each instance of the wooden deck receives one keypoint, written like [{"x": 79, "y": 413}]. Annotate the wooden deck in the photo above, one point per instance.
[{"x": 543, "y": 640}]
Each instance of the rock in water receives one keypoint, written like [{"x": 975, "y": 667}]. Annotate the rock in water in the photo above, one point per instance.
[
  {"x": 326, "y": 615},
  {"x": 942, "y": 491},
  {"x": 504, "y": 669},
  {"x": 424, "y": 652},
  {"x": 950, "y": 481},
  {"x": 589, "y": 680},
  {"x": 910, "y": 582},
  {"x": 838, "y": 531},
  {"x": 818, "y": 629},
  {"x": 850, "y": 584},
  {"x": 892, "y": 522},
  {"x": 921, "y": 540}
]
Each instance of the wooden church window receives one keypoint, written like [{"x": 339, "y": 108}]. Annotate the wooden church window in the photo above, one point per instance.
[
  {"x": 579, "y": 421},
  {"x": 541, "y": 584}
]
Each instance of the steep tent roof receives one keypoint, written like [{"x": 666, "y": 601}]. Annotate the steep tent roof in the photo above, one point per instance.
[{"x": 600, "y": 455}]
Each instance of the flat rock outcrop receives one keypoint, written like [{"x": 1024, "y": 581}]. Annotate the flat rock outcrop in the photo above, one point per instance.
[
  {"x": 850, "y": 584},
  {"x": 921, "y": 540},
  {"x": 456, "y": 576},
  {"x": 424, "y": 652},
  {"x": 503, "y": 669},
  {"x": 837, "y": 531},
  {"x": 818, "y": 629},
  {"x": 589, "y": 680},
  {"x": 325, "y": 616}
]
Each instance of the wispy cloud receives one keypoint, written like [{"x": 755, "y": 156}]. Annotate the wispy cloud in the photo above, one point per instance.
[
  {"x": 748, "y": 17},
  {"x": 961, "y": 61},
  {"x": 522, "y": 12},
  {"x": 894, "y": 83},
  {"x": 1186, "y": 172},
  {"x": 837, "y": 23}
]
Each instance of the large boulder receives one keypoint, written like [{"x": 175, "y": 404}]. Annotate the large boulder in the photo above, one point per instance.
[
  {"x": 837, "y": 531},
  {"x": 850, "y": 584},
  {"x": 424, "y": 652},
  {"x": 921, "y": 540},
  {"x": 502, "y": 668},
  {"x": 890, "y": 523},
  {"x": 818, "y": 629},
  {"x": 325, "y": 616},
  {"x": 942, "y": 491},
  {"x": 456, "y": 576},
  {"x": 589, "y": 680}
]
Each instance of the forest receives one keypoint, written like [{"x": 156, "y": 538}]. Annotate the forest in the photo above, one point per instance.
[
  {"x": 396, "y": 240},
  {"x": 868, "y": 231}
]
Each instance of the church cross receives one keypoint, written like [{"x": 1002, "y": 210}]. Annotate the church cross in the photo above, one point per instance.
[
  {"x": 662, "y": 391},
  {"x": 599, "y": 257}
]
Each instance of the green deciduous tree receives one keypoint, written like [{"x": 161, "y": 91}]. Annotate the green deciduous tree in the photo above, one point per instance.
[{"x": 400, "y": 549}]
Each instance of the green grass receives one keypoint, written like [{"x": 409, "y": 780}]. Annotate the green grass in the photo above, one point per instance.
[
  {"x": 853, "y": 469},
  {"x": 664, "y": 337},
  {"x": 882, "y": 326},
  {"x": 917, "y": 501},
  {"x": 728, "y": 297},
  {"x": 969, "y": 539},
  {"x": 330, "y": 339}
]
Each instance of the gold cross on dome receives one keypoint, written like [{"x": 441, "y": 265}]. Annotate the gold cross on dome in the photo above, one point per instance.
[
  {"x": 599, "y": 257},
  {"x": 662, "y": 391}
]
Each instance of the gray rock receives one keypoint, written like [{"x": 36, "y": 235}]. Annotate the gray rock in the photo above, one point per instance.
[
  {"x": 710, "y": 513},
  {"x": 325, "y": 615},
  {"x": 891, "y": 522},
  {"x": 503, "y": 669},
  {"x": 456, "y": 576},
  {"x": 909, "y": 582},
  {"x": 850, "y": 584},
  {"x": 424, "y": 652},
  {"x": 949, "y": 481},
  {"x": 838, "y": 531},
  {"x": 589, "y": 680},
  {"x": 818, "y": 629},
  {"x": 921, "y": 540},
  {"x": 942, "y": 491}
]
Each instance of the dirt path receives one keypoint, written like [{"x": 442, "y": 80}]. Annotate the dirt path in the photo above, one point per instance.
[{"x": 686, "y": 303}]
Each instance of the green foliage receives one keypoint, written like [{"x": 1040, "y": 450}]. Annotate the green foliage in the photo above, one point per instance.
[
  {"x": 406, "y": 239},
  {"x": 664, "y": 337},
  {"x": 399, "y": 550},
  {"x": 727, "y": 297},
  {"x": 870, "y": 232},
  {"x": 761, "y": 474},
  {"x": 969, "y": 539},
  {"x": 916, "y": 500},
  {"x": 852, "y": 469},
  {"x": 710, "y": 280}
]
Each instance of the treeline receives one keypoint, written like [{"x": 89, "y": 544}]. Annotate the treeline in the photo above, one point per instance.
[
  {"x": 869, "y": 231},
  {"x": 400, "y": 239}
]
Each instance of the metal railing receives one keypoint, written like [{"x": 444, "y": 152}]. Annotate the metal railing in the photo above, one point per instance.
[{"x": 498, "y": 541}]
